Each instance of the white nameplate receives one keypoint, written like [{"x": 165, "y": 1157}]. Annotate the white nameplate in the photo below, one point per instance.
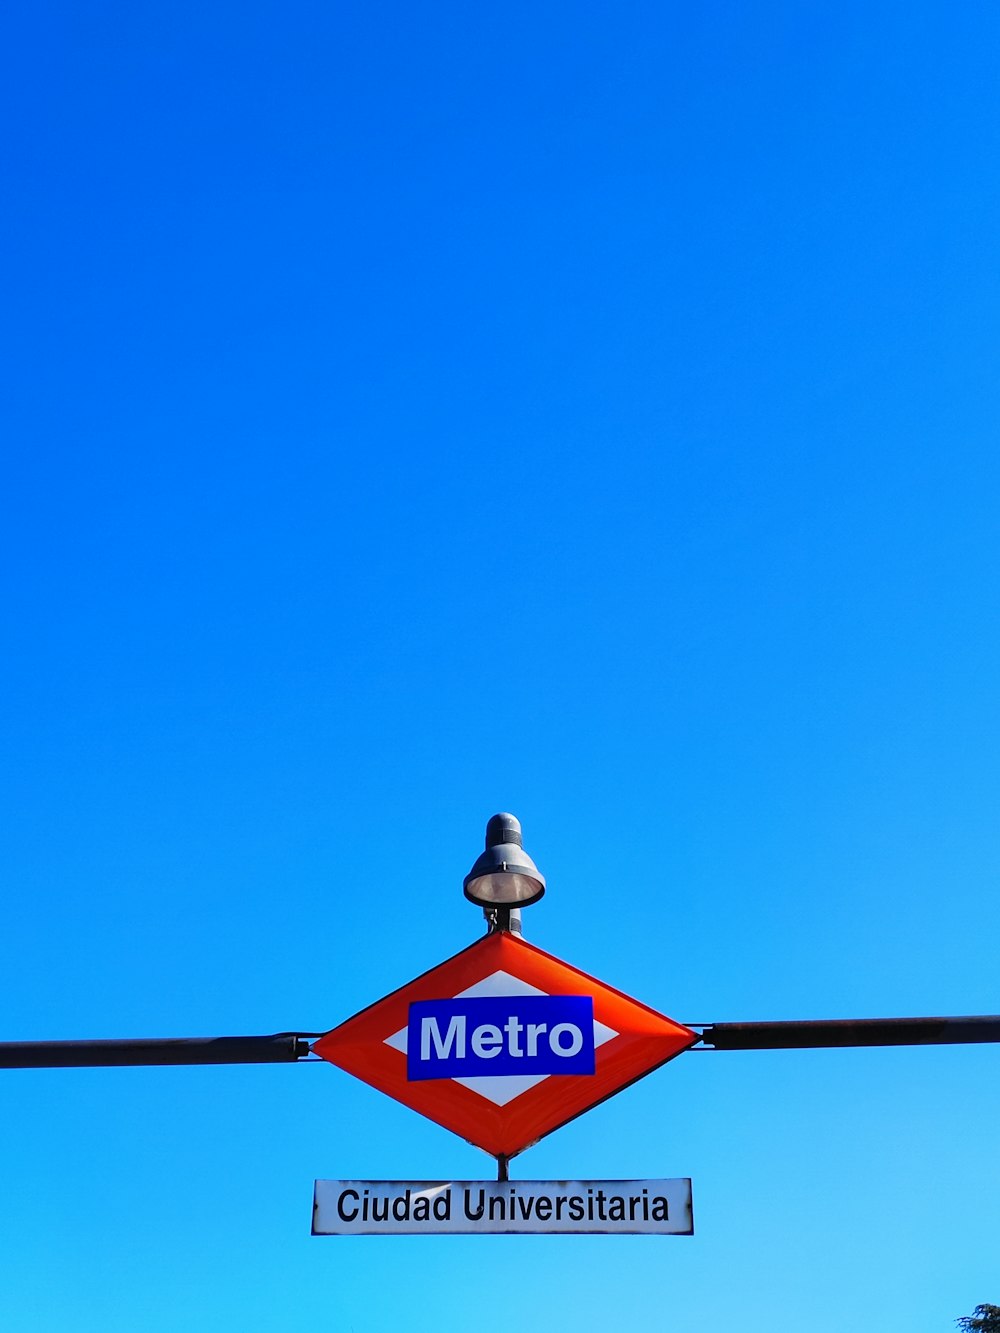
[{"x": 489, "y": 1207}]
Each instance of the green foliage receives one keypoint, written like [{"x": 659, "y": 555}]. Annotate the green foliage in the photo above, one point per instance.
[{"x": 984, "y": 1319}]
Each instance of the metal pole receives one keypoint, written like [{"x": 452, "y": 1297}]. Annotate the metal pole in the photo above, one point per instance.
[
  {"x": 287, "y": 1047},
  {"x": 503, "y": 918},
  {"x": 803, "y": 1035},
  {"x": 282, "y": 1047}
]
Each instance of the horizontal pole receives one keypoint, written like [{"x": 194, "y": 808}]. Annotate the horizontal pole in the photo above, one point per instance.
[
  {"x": 812, "y": 1033},
  {"x": 153, "y": 1051},
  {"x": 288, "y": 1047}
]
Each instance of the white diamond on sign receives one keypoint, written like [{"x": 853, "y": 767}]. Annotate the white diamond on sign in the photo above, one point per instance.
[{"x": 500, "y": 1089}]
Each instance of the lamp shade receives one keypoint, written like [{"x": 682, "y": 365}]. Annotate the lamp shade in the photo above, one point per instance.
[{"x": 504, "y": 875}]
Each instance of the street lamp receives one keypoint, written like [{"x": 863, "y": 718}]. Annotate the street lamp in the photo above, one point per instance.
[{"x": 504, "y": 877}]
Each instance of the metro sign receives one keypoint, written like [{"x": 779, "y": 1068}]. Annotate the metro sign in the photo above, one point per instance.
[{"x": 503, "y": 1043}]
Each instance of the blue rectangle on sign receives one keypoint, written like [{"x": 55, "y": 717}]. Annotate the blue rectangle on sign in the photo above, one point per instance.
[{"x": 500, "y": 1035}]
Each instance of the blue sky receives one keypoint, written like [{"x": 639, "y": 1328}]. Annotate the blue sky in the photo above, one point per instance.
[{"x": 412, "y": 413}]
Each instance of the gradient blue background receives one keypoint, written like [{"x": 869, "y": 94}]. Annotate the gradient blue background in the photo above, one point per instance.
[{"x": 413, "y": 412}]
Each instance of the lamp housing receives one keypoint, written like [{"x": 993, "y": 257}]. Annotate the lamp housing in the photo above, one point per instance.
[{"x": 504, "y": 875}]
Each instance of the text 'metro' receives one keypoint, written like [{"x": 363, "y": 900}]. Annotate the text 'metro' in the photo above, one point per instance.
[{"x": 500, "y": 1035}]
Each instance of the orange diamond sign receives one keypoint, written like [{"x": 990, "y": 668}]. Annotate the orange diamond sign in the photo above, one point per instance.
[{"x": 503, "y": 1043}]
